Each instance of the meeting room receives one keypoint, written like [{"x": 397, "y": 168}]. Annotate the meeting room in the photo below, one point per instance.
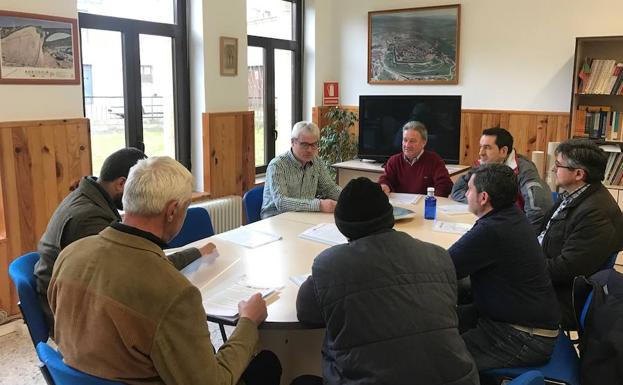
[{"x": 307, "y": 192}]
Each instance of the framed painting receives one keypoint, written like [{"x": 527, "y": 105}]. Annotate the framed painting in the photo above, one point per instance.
[
  {"x": 414, "y": 45},
  {"x": 229, "y": 56},
  {"x": 38, "y": 49}
]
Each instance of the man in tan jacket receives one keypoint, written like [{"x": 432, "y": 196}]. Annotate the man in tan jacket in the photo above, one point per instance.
[{"x": 123, "y": 312}]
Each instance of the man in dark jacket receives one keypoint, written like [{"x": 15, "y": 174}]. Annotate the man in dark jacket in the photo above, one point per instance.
[
  {"x": 514, "y": 317},
  {"x": 387, "y": 301},
  {"x": 584, "y": 228},
  {"x": 88, "y": 210}
]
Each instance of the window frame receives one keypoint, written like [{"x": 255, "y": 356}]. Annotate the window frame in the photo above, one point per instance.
[
  {"x": 130, "y": 30},
  {"x": 269, "y": 46}
]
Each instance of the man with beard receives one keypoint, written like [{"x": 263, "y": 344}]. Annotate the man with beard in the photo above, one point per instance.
[{"x": 86, "y": 211}]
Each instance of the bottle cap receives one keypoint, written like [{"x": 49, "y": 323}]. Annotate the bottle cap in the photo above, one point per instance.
[{"x": 430, "y": 189}]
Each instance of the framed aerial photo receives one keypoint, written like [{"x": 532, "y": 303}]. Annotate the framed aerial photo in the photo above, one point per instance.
[
  {"x": 414, "y": 45},
  {"x": 38, "y": 49}
]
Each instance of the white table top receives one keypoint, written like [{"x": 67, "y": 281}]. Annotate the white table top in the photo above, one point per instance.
[{"x": 272, "y": 264}]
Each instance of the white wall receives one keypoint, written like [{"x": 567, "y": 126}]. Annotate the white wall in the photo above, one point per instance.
[
  {"x": 514, "y": 55},
  {"x": 34, "y": 102},
  {"x": 211, "y": 92}
]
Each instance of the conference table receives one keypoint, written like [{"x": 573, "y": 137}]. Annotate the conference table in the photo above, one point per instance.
[{"x": 273, "y": 264}]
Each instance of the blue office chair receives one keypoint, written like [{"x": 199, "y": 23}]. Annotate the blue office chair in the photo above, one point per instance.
[
  {"x": 62, "y": 374},
  {"x": 611, "y": 261},
  {"x": 587, "y": 305},
  {"x": 533, "y": 377},
  {"x": 197, "y": 225},
  {"x": 554, "y": 196},
  {"x": 21, "y": 272},
  {"x": 563, "y": 367},
  {"x": 252, "y": 201}
]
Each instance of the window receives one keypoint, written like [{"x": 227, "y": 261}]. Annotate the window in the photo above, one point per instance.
[
  {"x": 137, "y": 90},
  {"x": 274, "y": 47}
]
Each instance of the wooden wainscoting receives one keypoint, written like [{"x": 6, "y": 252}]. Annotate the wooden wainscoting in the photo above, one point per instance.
[
  {"x": 40, "y": 161},
  {"x": 228, "y": 153},
  {"x": 318, "y": 117},
  {"x": 531, "y": 130}
]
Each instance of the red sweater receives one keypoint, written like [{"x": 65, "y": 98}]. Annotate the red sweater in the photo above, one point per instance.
[{"x": 428, "y": 171}]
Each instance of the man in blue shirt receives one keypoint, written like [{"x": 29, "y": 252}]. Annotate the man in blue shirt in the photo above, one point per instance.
[{"x": 514, "y": 318}]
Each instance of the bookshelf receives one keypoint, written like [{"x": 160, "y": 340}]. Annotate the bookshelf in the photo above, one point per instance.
[{"x": 597, "y": 99}]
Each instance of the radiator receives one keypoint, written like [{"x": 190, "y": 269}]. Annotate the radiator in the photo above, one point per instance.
[{"x": 225, "y": 213}]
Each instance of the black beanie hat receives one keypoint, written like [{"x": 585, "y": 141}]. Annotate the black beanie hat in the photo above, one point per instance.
[{"x": 363, "y": 209}]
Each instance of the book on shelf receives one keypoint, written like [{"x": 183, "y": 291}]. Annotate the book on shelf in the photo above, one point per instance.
[
  {"x": 600, "y": 77},
  {"x": 592, "y": 121}
]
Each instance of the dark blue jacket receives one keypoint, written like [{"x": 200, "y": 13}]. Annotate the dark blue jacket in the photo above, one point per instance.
[{"x": 506, "y": 266}]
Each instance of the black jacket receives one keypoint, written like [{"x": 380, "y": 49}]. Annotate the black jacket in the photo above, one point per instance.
[
  {"x": 580, "y": 241},
  {"x": 389, "y": 305},
  {"x": 601, "y": 339}
]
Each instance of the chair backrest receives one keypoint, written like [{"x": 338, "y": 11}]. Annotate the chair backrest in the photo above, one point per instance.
[
  {"x": 197, "y": 225},
  {"x": 21, "y": 272},
  {"x": 533, "y": 377},
  {"x": 587, "y": 305},
  {"x": 63, "y": 374},
  {"x": 611, "y": 261},
  {"x": 252, "y": 201}
]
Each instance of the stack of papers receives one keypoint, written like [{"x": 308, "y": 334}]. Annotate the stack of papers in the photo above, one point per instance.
[
  {"x": 400, "y": 213},
  {"x": 451, "y": 227},
  {"x": 405, "y": 199},
  {"x": 225, "y": 301},
  {"x": 324, "y": 233},
  {"x": 248, "y": 238},
  {"x": 299, "y": 279},
  {"x": 458, "y": 208}
]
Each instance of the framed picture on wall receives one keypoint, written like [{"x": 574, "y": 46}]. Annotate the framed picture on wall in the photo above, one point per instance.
[
  {"x": 229, "y": 56},
  {"x": 414, "y": 45},
  {"x": 38, "y": 49}
]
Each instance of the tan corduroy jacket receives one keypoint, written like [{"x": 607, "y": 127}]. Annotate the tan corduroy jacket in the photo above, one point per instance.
[{"x": 123, "y": 312}]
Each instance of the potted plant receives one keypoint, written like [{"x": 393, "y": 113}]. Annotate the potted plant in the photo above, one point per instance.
[{"x": 337, "y": 144}]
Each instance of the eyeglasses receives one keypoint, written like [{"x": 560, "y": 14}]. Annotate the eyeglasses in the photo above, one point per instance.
[
  {"x": 307, "y": 146},
  {"x": 558, "y": 165}
]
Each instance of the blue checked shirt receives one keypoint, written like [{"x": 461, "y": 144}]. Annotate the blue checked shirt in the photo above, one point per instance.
[{"x": 291, "y": 186}]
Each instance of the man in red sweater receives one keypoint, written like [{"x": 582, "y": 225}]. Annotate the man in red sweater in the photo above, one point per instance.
[{"x": 415, "y": 169}]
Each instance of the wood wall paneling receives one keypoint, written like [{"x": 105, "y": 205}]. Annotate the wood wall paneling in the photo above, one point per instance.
[
  {"x": 40, "y": 161},
  {"x": 228, "y": 153},
  {"x": 318, "y": 117}
]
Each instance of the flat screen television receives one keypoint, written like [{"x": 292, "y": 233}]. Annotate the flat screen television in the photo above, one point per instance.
[{"x": 381, "y": 118}]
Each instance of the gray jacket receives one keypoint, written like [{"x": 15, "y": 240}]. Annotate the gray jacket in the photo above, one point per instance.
[
  {"x": 85, "y": 211},
  {"x": 388, "y": 302},
  {"x": 534, "y": 197}
]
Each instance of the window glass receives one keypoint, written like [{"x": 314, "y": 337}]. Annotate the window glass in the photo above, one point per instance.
[
  {"x": 270, "y": 18},
  {"x": 161, "y": 11},
  {"x": 255, "y": 60}
]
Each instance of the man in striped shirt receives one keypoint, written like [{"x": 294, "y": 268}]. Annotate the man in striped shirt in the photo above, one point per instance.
[{"x": 297, "y": 180}]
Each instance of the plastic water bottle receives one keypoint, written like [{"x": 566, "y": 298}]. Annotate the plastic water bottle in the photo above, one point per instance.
[{"x": 430, "y": 204}]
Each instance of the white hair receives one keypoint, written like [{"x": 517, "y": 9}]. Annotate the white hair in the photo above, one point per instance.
[
  {"x": 305, "y": 127},
  {"x": 153, "y": 182},
  {"x": 414, "y": 125}
]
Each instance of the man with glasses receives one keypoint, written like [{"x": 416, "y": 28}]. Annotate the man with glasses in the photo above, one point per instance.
[
  {"x": 415, "y": 169},
  {"x": 585, "y": 227},
  {"x": 298, "y": 180}
]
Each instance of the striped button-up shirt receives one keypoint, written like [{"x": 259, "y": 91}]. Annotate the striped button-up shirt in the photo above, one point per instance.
[{"x": 291, "y": 186}]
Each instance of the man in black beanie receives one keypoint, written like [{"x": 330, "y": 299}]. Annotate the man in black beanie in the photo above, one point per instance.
[{"x": 387, "y": 300}]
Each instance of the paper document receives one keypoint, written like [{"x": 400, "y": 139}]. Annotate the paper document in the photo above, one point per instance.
[
  {"x": 401, "y": 213},
  {"x": 453, "y": 209},
  {"x": 324, "y": 233},
  {"x": 405, "y": 199},
  {"x": 225, "y": 302},
  {"x": 299, "y": 279},
  {"x": 451, "y": 227},
  {"x": 248, "y": 238}
]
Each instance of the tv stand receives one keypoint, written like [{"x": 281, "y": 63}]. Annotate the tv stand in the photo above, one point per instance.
[{"x": 356, "y": 168}]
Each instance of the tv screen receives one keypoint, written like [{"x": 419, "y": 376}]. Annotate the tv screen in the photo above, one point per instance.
[{"x": 381, "y": 118}]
